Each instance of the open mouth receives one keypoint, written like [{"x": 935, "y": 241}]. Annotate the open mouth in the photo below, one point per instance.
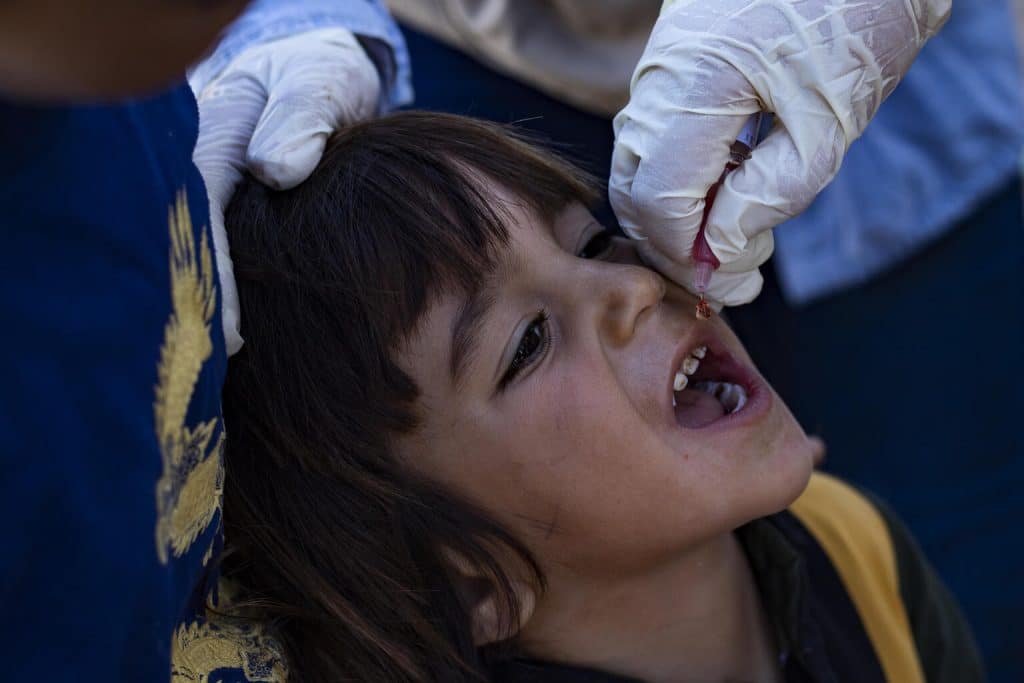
[{"x": 708, "y": 386}]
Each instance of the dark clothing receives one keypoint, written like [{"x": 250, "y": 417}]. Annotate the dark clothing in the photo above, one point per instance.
[
  {"x": 815, "y": 623},
  {"x": 112, "y": 363},
  {"x": 471, "y": 89},
  {"x": 948, "y": 455},
  {"x": 949, "y": 460}
]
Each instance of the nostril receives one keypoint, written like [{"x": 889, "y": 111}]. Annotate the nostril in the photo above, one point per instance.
[{"x": 629, "y": 294}]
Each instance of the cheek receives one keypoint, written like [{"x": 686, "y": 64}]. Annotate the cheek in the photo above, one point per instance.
[
  {"x": 554, "y": 442},
  {"x": 769, "y": 468},
  {"x": 789, "y": 462},
  {"x": 580, "y": 477}
]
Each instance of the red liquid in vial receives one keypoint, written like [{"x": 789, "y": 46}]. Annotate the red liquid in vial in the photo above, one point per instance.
[{"x": 701, "y": 251}]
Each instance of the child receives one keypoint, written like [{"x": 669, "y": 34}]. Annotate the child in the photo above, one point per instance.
[{"x": 473, "y": 438}]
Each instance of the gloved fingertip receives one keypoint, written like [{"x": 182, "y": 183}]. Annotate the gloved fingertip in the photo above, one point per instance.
[
  {"x": 233, "y": 341},
  {"x": 288, "y": 164},
  {"x": 745, "y": 290},
  {"x": 230, "y": 315},
  {"x": 735, "y": 248},
  {"x": 276, "y": 176}
]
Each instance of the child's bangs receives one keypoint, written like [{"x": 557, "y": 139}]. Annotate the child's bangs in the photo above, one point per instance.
[{"x": 399, "y": 211}]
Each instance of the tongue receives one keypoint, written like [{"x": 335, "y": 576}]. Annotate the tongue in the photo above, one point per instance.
[{"x": 695, "y": 409}]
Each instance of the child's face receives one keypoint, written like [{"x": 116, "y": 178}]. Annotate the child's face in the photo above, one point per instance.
[{"x": 581, "y": 453}]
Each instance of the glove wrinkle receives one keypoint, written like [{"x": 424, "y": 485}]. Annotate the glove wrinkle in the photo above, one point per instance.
[
  {"x": 271, "y": 112},
  {"x": 822, "y": 67}
]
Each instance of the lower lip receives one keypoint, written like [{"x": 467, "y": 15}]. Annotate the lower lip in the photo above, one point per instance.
[{"x": 759, "y": 399}]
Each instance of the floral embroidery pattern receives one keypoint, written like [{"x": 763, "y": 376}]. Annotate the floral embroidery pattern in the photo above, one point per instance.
[{"x": 223, "y": 644}]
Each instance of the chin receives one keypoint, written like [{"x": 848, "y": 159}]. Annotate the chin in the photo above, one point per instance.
[
  {"x": 788, "y": 471},
  {"x": 798, "y": 476}
]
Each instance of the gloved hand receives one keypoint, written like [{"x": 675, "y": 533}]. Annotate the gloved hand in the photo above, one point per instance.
[
  {"x": 271, "y": 111},
  {"x": 822, "y": 67}
]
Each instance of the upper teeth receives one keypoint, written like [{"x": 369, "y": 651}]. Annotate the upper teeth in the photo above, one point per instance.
[
  {"x": 689, "y": 366},
  {"x": 732, "y": 396},
  {"x": 680, "y": 381}
]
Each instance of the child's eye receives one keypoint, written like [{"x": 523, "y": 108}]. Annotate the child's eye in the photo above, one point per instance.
[
  {"x": 598, "y": 245},
  {"x": 531, "y": 347}
]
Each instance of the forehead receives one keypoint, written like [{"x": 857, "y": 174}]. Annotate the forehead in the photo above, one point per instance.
[
  {"x": 530, "y": 235},
  {"x": 529, "y": 230}
]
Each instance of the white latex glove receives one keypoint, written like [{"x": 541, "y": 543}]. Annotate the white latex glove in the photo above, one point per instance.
[
  {"x": 271, "y": 111},
  {"x": 822, "y": 67}
]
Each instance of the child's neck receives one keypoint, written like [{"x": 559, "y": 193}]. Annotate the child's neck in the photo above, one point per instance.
[{"x": 698, "y": 618}]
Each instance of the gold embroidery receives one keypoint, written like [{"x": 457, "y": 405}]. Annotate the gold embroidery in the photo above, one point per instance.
[
  {"x": 188, "y": 494},
  {"x": 209, "y": 553},
  {"x": 200, "y": 649},
  {"x": 199, "y": 496}
]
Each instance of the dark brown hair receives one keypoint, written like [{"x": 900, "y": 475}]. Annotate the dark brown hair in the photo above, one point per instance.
[{"x": 337, "y": 545}]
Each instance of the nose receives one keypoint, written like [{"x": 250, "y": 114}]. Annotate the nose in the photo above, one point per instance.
[{"x": 625, "y": 294}]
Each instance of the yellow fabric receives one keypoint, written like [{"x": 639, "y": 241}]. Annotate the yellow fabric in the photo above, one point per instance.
[{"x": 855, "y": 537}]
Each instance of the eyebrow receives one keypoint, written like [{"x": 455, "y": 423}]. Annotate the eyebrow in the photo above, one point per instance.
[{"x": 465, "y": 338}]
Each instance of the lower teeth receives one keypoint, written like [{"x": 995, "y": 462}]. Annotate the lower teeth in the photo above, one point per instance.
[{"x": 732, "y": 396}]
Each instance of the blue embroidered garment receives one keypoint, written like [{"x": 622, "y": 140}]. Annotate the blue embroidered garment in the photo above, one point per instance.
[{"x": 113, "y": 360}]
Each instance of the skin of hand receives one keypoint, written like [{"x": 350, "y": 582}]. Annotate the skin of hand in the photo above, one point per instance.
[
  {"x": 822, "y": 67},
  {"x": 81, "y": 50},
  {"x": 271, "y": 112}
]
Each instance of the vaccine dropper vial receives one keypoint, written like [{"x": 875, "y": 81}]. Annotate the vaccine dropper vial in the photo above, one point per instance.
[{"x": 705, "y": 261}]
